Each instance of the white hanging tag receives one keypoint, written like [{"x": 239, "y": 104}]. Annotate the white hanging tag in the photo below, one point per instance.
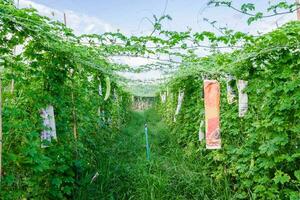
[
  {"x": 49, "y": 131},
  {"x": 230, "y": 92}
]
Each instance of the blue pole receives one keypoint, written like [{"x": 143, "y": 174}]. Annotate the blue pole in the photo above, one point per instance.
[{"x": 147, "y": 143}]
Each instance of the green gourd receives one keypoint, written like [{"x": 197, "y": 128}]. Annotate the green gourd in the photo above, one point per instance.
[{"x": 107, "y": 94}]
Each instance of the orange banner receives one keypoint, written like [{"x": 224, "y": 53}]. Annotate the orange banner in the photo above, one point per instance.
[{"x": 212, "y": 114}]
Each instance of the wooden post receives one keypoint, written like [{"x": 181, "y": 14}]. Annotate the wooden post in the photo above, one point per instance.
[
  {"x": 65, "y": 19},
  {"x": 12, "y": 84},
  {"x": 74, "y": 116},
  {"x": 1, "y": 138},
  {"x": 298, "y": 9},
  {"x": 73, "y": 99}
]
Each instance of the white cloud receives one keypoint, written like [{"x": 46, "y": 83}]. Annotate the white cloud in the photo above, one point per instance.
[
  {"x": 84, "y": 24},
  {"x": 270, "y": 24},
  {"x": 80, "y": 23}
]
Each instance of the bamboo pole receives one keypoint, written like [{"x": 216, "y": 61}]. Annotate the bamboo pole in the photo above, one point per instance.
[
  {"x": 298, "y": 9},
  {"x": 73, "y": 99},
  {"x": 1, "y": 137},
  {"x": 12, "y": 84},
  {"x": 74, "y": 116}
]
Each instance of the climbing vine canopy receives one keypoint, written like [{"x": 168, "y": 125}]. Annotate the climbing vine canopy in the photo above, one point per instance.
[{"x": 73, "y": 89}]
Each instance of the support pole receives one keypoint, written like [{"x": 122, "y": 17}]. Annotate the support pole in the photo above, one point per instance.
[
  {"x": 1, "y": 138},
  {"x": 298, "y": 9},
  {"x": 147, "y": 143},
  {"x": 72, "y": 98},
  {"x": 65, "y": 19},
  {"x": 74, "y": 117},
  {"x": 12, "y": 84}
]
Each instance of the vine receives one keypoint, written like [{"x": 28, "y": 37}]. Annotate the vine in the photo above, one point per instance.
[{"x": 55, "y": 67}]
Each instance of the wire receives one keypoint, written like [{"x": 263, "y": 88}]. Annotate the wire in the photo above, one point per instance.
[
  {"x": 60, "y": 39},
  {"x": 148, "y": 47}
]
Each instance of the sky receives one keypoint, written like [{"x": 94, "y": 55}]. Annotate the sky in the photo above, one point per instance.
[
  {"x": 130, "y": 17},
  {"x": 98, "y": 16}
]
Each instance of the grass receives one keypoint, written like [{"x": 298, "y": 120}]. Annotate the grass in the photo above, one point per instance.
[{"x": 126, "y": 174}]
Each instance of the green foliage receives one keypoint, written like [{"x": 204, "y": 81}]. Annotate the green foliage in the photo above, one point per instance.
[
  {"x": 51, "y": 69},
  {"x": 260, "y": 155},
  {"x": 169, "y": 174},
  {"x": 260, "y": 152},
  {"x": 277, "y": 8}
]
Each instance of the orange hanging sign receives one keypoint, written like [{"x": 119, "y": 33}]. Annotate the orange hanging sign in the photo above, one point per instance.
[{"x": 212, "y": 114}]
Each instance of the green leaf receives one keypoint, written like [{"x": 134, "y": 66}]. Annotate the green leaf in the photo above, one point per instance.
[
  {"x": 247, "y": 7},
  {"x": 281, "y": 177},
  {"x": 56, "y": 181},
  {"x": 297, "y": 174}
]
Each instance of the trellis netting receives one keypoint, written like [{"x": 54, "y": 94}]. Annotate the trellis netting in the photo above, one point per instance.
[
  {"x": 179, "y": 103},
  {"x": 243, "y": 97},
  {"x": 212, "y": 114},
  {"x": 49, "y": 131},
  {"x": 70, "y": 89}
]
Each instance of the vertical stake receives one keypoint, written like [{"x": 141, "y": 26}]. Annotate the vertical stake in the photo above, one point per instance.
[
  {"x": 65, "y": 19},
  {"x": 74, "y": 116},
  {"x": 1, "y": 129},
  {"x": 73, "y": 99},
  {"x": 12, "y": 84},
  {"x": 298, "y": 9},
  {"x": 147, "y": 143}
]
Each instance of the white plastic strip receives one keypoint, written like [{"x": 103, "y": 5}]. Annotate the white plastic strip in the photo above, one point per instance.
[
  {"x": 230, "y": 93},
  {"x": 179, "y": 103},
  {"x": 243, "y": 97},
  {"x": 100, "y": 89},
  {"x": 163, "y": 97},
  {"x": 201, "y": 132}
]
